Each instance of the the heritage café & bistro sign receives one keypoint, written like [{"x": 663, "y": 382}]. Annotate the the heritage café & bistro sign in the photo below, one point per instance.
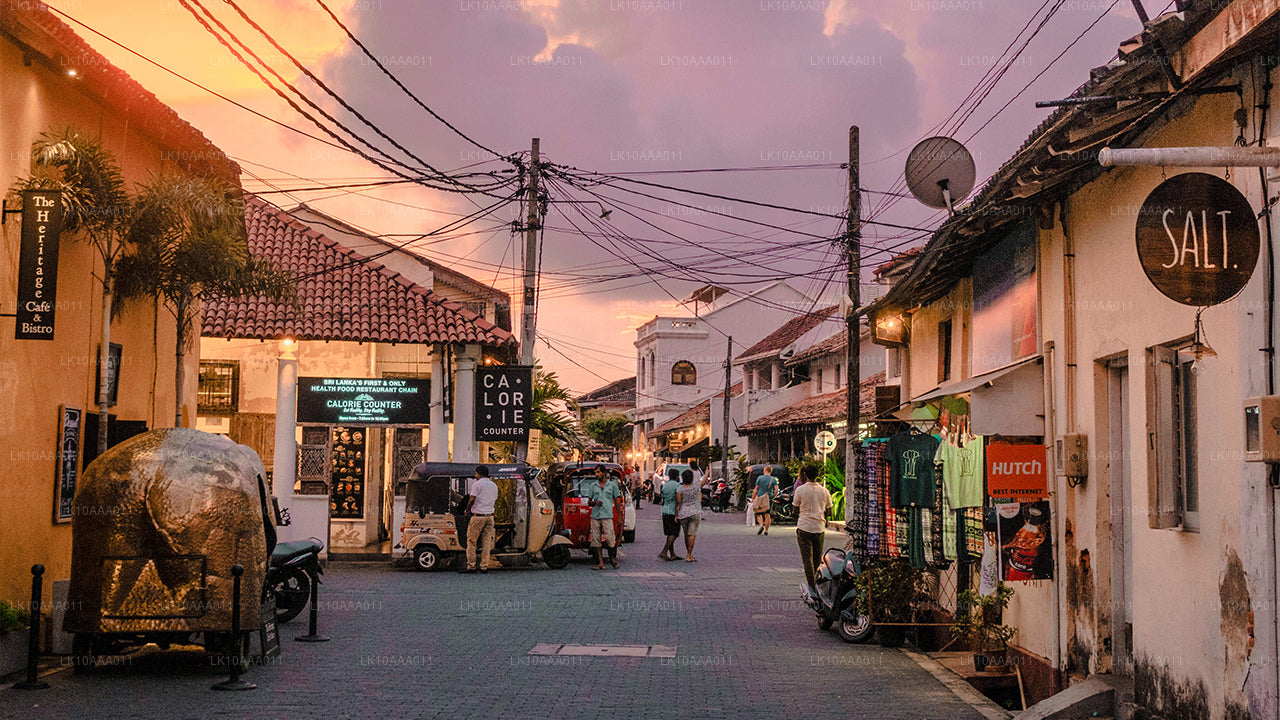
[
  {"x": 364, "y": 401},
  {"x": 38, "y": 264}
]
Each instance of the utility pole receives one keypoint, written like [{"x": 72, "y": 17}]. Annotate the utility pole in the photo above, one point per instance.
[
  {"x": 724, "y": 430},
  {"x": 529, "y": 309},
  {"x": 853, "y": 374}
]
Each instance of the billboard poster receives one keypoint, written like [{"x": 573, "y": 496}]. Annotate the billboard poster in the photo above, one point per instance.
[
  {"x": 504, "y": 402},
  {"x": 1025, "y": 536},
  {"x": 364, "y": 401}
]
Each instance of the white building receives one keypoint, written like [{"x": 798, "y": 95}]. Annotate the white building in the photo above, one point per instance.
[{"x": 681, "y": 360}]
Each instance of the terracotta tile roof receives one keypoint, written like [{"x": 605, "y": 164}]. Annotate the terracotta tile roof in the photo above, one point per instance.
[
  {"x": 700, "y": 413},
  {"x": 618, "y": 391},
  {"x": 33, "y": 25},
  {"x": 790, "y": 331},
  {"x": 834, "y": 344},
  {"x": 817, "y": 409},
  {"x": 356, "y": 300}
]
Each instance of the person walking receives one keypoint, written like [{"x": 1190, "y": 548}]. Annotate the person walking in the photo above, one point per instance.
[
  {"x": 688, "y": 511},
  {"x": 670, "y": 527},
  {"x": 600, "y": 497},
  {"x": 480, "y": 504},
  {"x": 813, "y": 501},
  {"x": 762, "y": 499}
]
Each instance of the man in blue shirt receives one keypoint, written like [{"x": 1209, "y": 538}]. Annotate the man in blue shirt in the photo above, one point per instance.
[
  {"x": 766, "y": 487},
  {"x": 600, "y": 496},
  {"x": 670, "y": 527}
]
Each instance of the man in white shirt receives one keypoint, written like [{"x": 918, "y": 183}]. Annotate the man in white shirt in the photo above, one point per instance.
[
  {"x": 812, "y": 501},
  {"x": 480, "y": 504}
]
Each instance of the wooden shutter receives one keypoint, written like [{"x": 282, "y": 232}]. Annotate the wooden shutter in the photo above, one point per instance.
[{"x": 1163, "y": 463}]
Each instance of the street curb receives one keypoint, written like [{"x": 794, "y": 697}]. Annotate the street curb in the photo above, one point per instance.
[{"x": 959, "y": 687}]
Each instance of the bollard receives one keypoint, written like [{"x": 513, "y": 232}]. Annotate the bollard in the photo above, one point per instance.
[
  {"x": 33, "y": 635},
  {"x": 237, "y": 659},
  {"x": 311, "y": 635}
]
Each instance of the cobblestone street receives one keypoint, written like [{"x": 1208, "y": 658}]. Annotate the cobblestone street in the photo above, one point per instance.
[{"x": 444, "y": 645}]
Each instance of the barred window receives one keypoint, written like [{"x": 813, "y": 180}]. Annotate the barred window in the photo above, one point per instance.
[{"x": 219, "y": 386}]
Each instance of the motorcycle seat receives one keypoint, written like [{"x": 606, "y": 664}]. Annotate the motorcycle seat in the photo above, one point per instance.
[{"x": 288, "y": 551}]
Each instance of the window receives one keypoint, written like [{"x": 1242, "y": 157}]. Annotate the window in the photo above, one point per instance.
[
  {"x": 653, "y": 361},
  {"x": 219, "y": 386},
  {"x": 642, "y": 373},
  {"x": 476, "y": 307},
  {"x": 893, "y": 362},
  {"x": 794, "y": 375},
  {"x": 683, "y": 373},
  {"x": 1172, "y": 481},
  {"x": 944, "y": 350},
  {"x": 818, "y": 381}
]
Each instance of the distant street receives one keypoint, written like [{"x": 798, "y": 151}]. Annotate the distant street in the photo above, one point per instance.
[{"x": 739, "y": 644}]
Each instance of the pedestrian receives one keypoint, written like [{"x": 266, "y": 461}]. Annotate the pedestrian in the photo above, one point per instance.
[
  {"x": 600, "y": 497},
  {"x": 637, "y": 487},
  {"x": 670, "y": 527},
  {"x": 813, "y": 502},
  {"x": 688, "y": 511},
  {"x": 480, "y": 503},
  {"x": 762, "y": 499}
]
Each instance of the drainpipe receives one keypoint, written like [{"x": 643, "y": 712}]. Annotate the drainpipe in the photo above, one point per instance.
[
  {"x": 1049, "y": 415},
  {"x": 1068, "y": 318}
]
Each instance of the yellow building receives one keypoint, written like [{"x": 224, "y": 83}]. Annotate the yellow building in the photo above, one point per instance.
[{"x": 51, "y": 78}]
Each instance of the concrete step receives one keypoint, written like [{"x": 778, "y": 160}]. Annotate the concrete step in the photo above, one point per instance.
[{"x": 1090, "y": 699}]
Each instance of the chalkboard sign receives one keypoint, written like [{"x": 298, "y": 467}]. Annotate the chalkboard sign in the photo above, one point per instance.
[
  {"x": 269, "y": 634},
  {"x": 64, "y": 487}
]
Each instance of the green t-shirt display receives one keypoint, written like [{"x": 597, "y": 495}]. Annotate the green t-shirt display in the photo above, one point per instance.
[{"x": 961, "y": 472}]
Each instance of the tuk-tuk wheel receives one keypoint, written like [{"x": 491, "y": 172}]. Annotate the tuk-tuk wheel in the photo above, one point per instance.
[
  {"x": 556, "y": 556},
  {"x": 426, "y": 557}
]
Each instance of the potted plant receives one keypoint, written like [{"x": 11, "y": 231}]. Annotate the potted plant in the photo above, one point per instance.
[
  {"x": 889, "y": 590},
  {"x": 980, "y": 625},
  {"x": 13, "y": 638}
]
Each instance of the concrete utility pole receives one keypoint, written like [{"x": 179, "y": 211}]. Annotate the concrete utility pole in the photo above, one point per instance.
[
  {"x": 724, "y": 430},
  {"x": 529, "y": 309},
  {"x": 853, "y": 236}
]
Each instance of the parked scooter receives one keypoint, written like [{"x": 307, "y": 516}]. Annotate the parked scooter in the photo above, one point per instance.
[
  {"x": 720, "y": 497},
  {"x": 782, "y": 510},
  {"x": 294, "y": 567},
  {"x": 835, "y": 598}
]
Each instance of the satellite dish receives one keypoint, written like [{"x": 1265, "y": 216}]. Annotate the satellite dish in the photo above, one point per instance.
[{"x": 940, "y": 172}]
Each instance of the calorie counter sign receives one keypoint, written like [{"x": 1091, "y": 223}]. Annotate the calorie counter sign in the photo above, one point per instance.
[
  {"x": 1017, "y": 471},
  {"x": 504, "y": 402}
]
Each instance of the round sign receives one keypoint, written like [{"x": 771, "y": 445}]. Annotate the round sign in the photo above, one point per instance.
[
  {"x": 825, "y": 441},
  {"x": 1197, "y": 239}
]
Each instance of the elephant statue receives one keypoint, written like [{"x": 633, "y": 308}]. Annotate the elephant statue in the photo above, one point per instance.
[{"x": 158, "y": 522}]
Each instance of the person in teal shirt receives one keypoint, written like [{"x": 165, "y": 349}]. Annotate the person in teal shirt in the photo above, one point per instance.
[
  {"x": 670, "y": 527},
  {"x": 601, "y": 495},
  {"x": 766, "y": 486}
]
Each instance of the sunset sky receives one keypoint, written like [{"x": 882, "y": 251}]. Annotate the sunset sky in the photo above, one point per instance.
[{"x": 618, "y": 86}]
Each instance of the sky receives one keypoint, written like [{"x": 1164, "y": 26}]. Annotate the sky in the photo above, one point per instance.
[{"x": 750, "y": 88}]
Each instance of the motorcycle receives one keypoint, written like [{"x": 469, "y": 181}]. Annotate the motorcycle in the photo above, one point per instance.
[
  {"x": 294, "y": 567},
  {"x": 720, "y": 497},
  {"x": 782, "y": 509},
  {"x": 835, "y": 598}
]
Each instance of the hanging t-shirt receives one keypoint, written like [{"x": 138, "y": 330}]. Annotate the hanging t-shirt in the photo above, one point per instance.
[
  {"x": 911, "y": 458},
  {"x": 962, "y": 469}
]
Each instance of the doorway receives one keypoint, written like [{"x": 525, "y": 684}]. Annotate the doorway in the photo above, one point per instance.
[{"x": 1120, "y": 488}]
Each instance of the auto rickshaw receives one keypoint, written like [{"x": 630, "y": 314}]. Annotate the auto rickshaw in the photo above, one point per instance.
[
  {"x": 434, "y": 530},
  {"x": 159, "y": 521},
  {"x": 573, "y": 515}
]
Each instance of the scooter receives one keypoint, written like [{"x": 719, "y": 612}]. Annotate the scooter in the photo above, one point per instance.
[
  {"x": 294, "y": 567},
  {"x": 720, "y": 498},
  {"x": 782, "y": 510},
  {"x": 835, "y": 599}
]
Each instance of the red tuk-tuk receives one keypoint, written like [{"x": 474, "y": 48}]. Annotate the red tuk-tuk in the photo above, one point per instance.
[{"x": 565, "y": 481}]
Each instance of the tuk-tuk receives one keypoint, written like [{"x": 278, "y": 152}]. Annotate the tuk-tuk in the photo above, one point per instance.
[
  {"x": 434, "y": 530},
  {"x": 573, "y": 515},
  {"x": 159, "y": 521}
]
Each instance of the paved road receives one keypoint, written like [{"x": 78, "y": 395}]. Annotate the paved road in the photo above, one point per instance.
[{"x": 443, "y": 645}]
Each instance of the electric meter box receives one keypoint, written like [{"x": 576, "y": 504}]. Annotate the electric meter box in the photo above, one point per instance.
[
  {"x": 1073, "y": 455},
  {"x": 1262, "y": 429}
]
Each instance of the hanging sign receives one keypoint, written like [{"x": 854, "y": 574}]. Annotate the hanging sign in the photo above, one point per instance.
[
  {"x": 504, "y": 402},
  {"x": 364, "y": 401},
  {"x": 1016, "y": 471},
  {"x": 1197, "y": 239},
  {"x": 38, "y": 264},
  {"x": 825, "y": 441}
]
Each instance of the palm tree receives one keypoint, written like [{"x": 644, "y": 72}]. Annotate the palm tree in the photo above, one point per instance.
[
  {"x": 557, "y": 422},
  {"x": 187, "y": 243},
  {"x": 93, "y": 201}
]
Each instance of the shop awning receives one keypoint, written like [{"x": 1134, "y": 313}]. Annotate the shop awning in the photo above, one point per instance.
[{"x": 970, "y": 384}]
